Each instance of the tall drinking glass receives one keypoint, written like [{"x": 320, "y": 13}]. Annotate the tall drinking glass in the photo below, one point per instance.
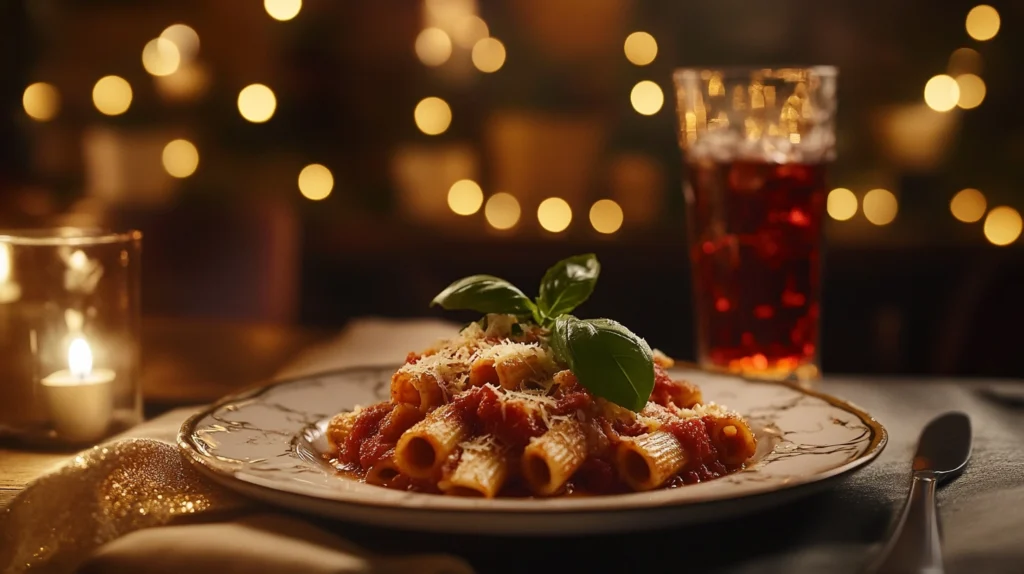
[{"x": 756, "y": 142}]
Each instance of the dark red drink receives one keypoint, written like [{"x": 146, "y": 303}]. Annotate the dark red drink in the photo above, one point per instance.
[{"x": 755, "y": 249}]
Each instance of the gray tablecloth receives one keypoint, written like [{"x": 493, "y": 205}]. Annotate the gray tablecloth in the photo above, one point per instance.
[
  {"x": 835, "y": 531},
  {"x": 838, "y": 530}
]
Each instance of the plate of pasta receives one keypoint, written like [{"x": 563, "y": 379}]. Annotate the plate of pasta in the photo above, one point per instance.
[{"x": 530, "y": 420}]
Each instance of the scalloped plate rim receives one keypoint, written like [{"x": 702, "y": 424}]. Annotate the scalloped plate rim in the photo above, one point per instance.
[{"x": 616, "y": 503}]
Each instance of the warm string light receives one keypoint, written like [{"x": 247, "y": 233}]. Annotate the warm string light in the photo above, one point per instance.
[
  {"x": 465, "y": 197},
  {"x": 964, "y": 61},
  {"x": 433, "y": 46},
  {"x": 941, "y": 93},
  {"x": 972, "y": 91},
  {"x": 469, "y": 30},
  {"x": 112, "y": 95},
  {"x": 1002, "y": 225},
  {"x": 641, "y": 48},
  {"x": 41, "y": 101},
  {"x": 968, "y": 205},
  {"x": 841, "y": 204},
  {"x": 256, "y": 103},
  {"x": 982, "y": 22},
  {"x": 647, "y": 98},
  {"x": 180, "y": 158},
  {"x": 184, "y": 38},
  {"x": 282, "y": 10},
  {"x": 880, "y": 206},
  {"x": 502, "y": 211},
  {"x": 187, "y": 84},
  {"x": 160, "y": 57},
  {"x": 488, "y": 55},
  {"x": 606, "y": 216},
  {"x": 315, "y": 182},
  {"x": 554, "y": 214},
  {"x": 432, "y": 116}
]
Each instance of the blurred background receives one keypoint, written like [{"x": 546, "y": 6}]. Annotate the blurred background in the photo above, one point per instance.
[{"x": 304, "y": 162}]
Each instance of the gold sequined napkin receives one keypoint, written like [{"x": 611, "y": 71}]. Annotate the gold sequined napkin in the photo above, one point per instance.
[
  {"x": 102, "y": 494},
  {"x": 137, "y": 505}
]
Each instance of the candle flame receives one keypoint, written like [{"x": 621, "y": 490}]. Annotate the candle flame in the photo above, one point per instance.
[
  {"x": 80, "y": 358},
  {"x": 5, "y": 262},
  {"x": 78, "y": 260}
]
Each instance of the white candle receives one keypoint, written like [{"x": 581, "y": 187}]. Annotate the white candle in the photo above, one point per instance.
[{"x": 80, "y": 398}]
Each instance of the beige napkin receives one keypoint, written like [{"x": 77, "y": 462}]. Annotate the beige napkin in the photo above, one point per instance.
[{"x": 135, "y": 504}]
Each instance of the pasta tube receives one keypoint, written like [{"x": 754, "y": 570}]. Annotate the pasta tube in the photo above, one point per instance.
[
  {"x": 481, "y": 471},
  {"x": 418, "y": 389},
  {"x": 732, "y": 437},
  {"x": 383, "y": 472},
  {"x": 551, "y": 459},
  {"x": 424, "y": 447},
  {"x": 339, "y": 428},
  {"x": 645, "y": 462}
]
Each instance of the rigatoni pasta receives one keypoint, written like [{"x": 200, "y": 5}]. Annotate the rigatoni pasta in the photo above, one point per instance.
[
  {"x": 423, "y": 448},
  {"x": 481, "y": 469},
  {"x": 550, "y": 460},
  {"x": 648, "y": 461},
  {"x": 492, "y": 413}
]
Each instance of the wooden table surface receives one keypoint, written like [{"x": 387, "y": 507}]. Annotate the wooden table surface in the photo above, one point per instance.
[{"x": 184, "y": 362}]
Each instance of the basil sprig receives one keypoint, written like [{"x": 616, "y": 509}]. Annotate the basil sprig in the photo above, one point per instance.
[
  {"x": 567, "y": 284},
  {"x": 485, "y": 294},
  {"x": 608, "y": 359}
]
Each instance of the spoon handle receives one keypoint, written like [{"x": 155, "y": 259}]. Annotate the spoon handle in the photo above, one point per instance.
[{"x": 915, "y": 545}]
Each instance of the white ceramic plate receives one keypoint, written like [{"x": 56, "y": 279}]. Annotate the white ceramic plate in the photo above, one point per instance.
[{"x": 268, "y": 442}]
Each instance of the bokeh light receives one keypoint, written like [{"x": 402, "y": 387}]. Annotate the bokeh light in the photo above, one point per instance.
[
  {"x": 41, "y": 101},
  {"x": 982, "y": 22},
  {"x": 554, "y": 214},
  {"x": 606, "y": 216},
  {"x": 433, "y": 116},
  {"x": 112, "y": 95},
  {"x": 641, "y": 48},
  {"x": 972, "y": 91},
  {"x": 502, "y": 211},
  {"x": 880, "y": 206},
  {"x": 841, "y": 204},
  {"x": 968, "y": 205},
  {"x": 257, "y": 103},
  {"x": 647, "y": 97},
  {"x": 315, "y": 182},
  {"x": 180, "y": 158},
  {"x": 185, "y": 38},
  {"x": 282, "y": 10},
  {"x": 470, "y": 30},
  {"x": 488, "y": 55},
  {"x": 964, "y": 61},
  {"x": 1002, "y": 225},
  {"x": 941, "y": 93},
  {"x": 433, "y": 46},
  {"x": 188, "y": 84},
  {"x": 465, "y": 197},
  {"x": 160, "y": 57}
]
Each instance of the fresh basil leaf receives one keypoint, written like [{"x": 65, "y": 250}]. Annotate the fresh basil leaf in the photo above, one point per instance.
[
  {"x": 567, "y": 284},
  {"x": 607, "y": 358},
  {"x": 484, "y": 294}
]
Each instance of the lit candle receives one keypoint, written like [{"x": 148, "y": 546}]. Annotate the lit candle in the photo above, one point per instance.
[
  {"x": 10, "y": 291},
  {"x": 81, "y": 399}
]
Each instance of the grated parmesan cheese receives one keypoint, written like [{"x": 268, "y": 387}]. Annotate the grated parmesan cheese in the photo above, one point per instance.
[{"x": 481, "y": 443}]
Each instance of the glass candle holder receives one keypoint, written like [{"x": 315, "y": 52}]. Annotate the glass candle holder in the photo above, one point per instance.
[{"x": 69, "y": 335}]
